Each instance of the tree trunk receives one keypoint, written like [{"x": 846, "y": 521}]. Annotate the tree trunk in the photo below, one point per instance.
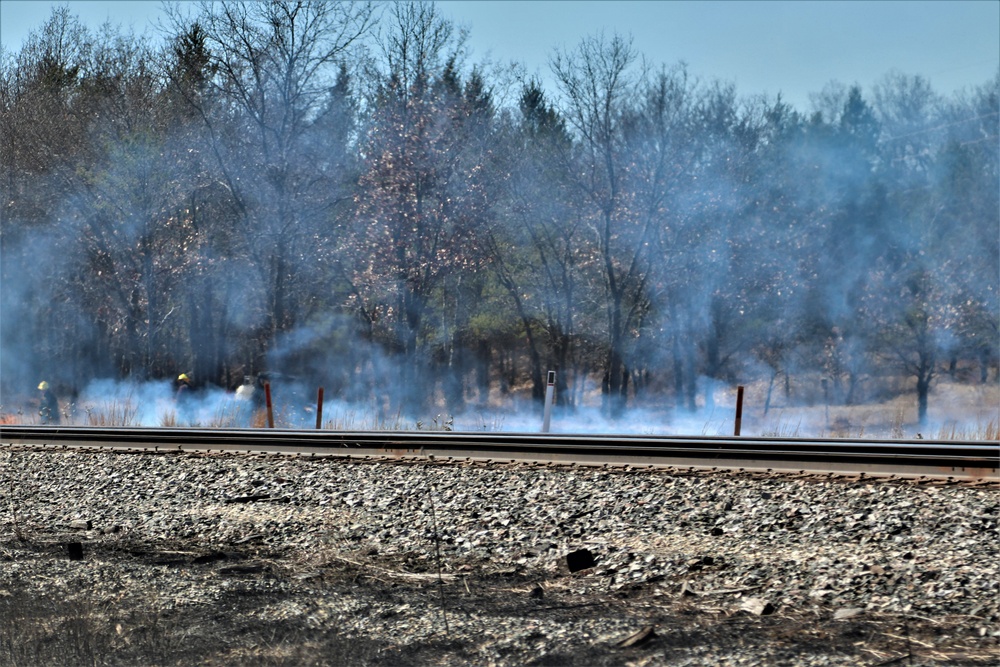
[
  {"x": 483, "y": 359},
  {"x": 923, "y": 389}
]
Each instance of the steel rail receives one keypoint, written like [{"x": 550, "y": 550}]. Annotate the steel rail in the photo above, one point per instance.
[{"x": 903, "y": 458}]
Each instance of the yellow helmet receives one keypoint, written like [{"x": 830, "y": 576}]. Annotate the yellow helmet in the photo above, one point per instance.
[
  {"x": 43, "y": 385},
  {"x": 183, "y": 377}
]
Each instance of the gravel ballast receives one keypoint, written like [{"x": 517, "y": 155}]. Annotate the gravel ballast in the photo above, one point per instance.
[{"x": 175, "y": 559}]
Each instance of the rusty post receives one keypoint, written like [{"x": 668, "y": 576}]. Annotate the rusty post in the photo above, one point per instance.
[
  {"x": 739, "y": 409},
  {"x": 270, "y": 409},
  {"x": 319, "y": 409}
]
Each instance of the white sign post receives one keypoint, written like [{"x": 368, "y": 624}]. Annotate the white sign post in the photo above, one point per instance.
[{"x": 550, "y": 390}]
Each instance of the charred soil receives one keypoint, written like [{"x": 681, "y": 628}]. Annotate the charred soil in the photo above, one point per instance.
[{"x": 332, "y": 566}]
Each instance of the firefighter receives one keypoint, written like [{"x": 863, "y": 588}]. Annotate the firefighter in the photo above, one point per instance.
[
  {"x": 48, "y": 405},
  {"x": 183, "y": 387},
  {"x": 182, "y": 397}
]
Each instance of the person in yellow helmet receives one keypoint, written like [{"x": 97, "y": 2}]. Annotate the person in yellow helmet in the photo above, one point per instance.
[
  {"x": 48, "y": 405},
  {"x": 182, "y": 397}
]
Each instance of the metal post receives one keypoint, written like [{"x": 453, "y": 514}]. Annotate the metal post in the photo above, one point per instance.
[
  {"x": 550, "y": 390},
  {"x": 319, "y": 409},
  {"x": 739, "y": 409},
  {"x": 270, "y": 409}
]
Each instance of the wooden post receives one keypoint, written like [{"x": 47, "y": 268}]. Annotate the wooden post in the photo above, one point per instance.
[
  {"x": 270, "y": 409},
  {"x": 319, "y": 409},
  {"x": 739, "y": 409}
]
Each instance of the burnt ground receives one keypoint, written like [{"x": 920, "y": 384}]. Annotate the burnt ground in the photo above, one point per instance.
[{"x": 131, "y": 602}]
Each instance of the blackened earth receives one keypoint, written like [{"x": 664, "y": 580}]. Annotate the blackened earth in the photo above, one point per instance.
[{"x": 240, "y": 560}]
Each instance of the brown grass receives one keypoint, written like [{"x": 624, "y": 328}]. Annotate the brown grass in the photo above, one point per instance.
[
  {"x": 117, "y": 412},
  {"x": 955, "y": 412}
]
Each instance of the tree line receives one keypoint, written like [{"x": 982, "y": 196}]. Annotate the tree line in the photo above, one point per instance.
[{"x": 331, "y": 190}]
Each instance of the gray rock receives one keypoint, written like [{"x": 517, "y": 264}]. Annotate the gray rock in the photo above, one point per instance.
[
  {"x": 581, "y": 559},
  {"x": 757, "y": 607}
]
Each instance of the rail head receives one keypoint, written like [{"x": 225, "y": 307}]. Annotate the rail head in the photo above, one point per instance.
[{"x": 910, "y": 458}]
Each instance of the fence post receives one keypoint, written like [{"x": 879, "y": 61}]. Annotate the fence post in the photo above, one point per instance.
[
  {"x": 739, "y": 409},
  {"x": 270, "y": 409},
  {"x": 550, "y": 389},
  {"x": 319, "y": 409}
]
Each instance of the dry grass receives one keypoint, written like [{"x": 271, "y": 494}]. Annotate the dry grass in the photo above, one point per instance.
[
  {"x": 988, "y": 430},
  {"x": 969, "y": 412},
  {"x": 781, "y": 429},
  {"x": 362, "y": 418},
  {"x": 116, "y": 412},
  {"x": 79, "y": 629},
  {"x": 955, "y": 412}
]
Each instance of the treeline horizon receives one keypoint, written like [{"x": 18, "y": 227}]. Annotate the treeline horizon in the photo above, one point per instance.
[{"x": 331, "y": 191}]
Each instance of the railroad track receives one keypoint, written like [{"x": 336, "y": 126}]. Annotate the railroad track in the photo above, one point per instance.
[{"x": 900, "y": 458}]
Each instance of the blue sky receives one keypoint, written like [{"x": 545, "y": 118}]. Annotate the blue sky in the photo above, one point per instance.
[{"x": 790, "y": 47}]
